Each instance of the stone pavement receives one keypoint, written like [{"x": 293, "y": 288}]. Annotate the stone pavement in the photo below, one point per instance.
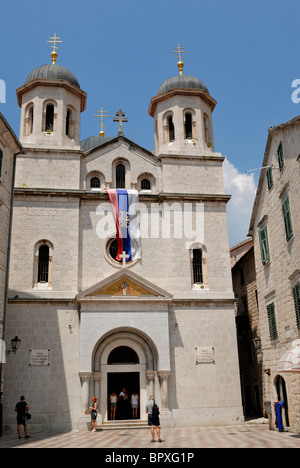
[{"x": 242, "y": 436}]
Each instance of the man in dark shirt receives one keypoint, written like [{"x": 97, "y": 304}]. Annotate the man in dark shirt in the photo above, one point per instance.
[{"x": 21, "y": 410}]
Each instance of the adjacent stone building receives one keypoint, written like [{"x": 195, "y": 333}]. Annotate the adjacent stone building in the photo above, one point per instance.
[
  {"x": 275, "y": 226},
  {"x": 90, "y": 325},
  {"x": 247, "y": 323},
  {"x": 9, "y": 148}
]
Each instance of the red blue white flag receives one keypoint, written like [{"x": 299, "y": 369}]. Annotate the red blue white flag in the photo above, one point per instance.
[{"x": 125, "y": 205}]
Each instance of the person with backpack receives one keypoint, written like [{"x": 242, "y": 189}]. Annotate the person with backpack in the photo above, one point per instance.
[
  {"x": 153, "y": 418},
  {"x": 22, "y": 416}
]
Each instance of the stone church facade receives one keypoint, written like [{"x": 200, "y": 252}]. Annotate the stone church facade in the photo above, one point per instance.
[{"x": 163, "y": 324}]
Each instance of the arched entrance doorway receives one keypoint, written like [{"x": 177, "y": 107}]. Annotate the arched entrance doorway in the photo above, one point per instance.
[
  {"x": 123, "y": 358},
  {"x": 282, "y": 396},
  {"x": 123, "y": 388}
]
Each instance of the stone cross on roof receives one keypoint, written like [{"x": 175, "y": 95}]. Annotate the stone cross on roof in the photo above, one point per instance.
[
  {"x": 124, "y": 258},
  {"x": 119, "y": 118}
]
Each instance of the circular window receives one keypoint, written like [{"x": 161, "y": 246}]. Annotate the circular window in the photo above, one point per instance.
[
  {"x": 110, "y": 251},
  {"x": 113, "y": 249}
]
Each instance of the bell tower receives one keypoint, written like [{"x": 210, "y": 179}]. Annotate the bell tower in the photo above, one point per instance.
[
  {"x": 182, "y": 112},
  {"x": 51, "y": 102}
]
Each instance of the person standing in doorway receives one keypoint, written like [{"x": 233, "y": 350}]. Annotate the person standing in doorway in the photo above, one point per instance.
[
  {"x": 134, "y": 404},
  {"x": 113, "y": 405},
  {"x": 21, "y": 409},
  {"x": 94, "y": 413},
  {"x": 153, "y": 418}
]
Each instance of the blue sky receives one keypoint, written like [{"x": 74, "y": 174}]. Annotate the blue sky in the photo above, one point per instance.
[{"x": 246, "y": 53}]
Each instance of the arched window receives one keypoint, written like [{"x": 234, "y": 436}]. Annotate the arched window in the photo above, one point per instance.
[
  {"x": 68, "y": 122},
  {"x": 70, "y": 125},
  {"x": 29, "y": 121},
  {"x": 1, "y": 161},
  {"x": 145, "y": 184},
  {"x": 171, "y": 129},
  {"x": 188, "y": 126},
  {"x": 206, "y": 129},
  {"x": 123, "y": 355},
  {"x": 95, "y": 183},
  {"x": 197, "y": 266},
  {"x": 49, "y": 118},
  {"x": 43, "y": 264},
  {"x": 120, "y": 176}
]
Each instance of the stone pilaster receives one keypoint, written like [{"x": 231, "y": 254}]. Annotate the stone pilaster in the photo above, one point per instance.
[
  {"x": 166, "y": 418},
  {"x": 151, "y": 379},
  {"x": 84, "y": 423}
]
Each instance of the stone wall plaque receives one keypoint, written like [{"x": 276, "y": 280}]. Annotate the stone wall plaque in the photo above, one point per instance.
[
  {"x": 39, "y": 357},
  {"x": 205, "y": 355}
]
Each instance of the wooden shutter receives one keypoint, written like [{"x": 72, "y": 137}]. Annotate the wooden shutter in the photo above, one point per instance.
[
  {"x": 264, "y": 244},
  {"x": 296, "y": 296},
  {"x": 272, "y": 321},
  {"x": 270, "y": 178},
  {"x": 280, "y": 156},
  {"x": 287, "y": 218}
]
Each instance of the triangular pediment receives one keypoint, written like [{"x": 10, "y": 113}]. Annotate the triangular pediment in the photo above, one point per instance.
[
  {"x": 124, "y": 284},
  {"x": 94, "y": 147}
]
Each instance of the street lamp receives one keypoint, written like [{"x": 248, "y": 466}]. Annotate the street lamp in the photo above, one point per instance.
[
  {"x": 257, "y": 344},
  {"x": 15, "y": 343}
]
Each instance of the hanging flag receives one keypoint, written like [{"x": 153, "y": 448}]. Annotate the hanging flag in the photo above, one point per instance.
[{"x": 125, "y": 206}]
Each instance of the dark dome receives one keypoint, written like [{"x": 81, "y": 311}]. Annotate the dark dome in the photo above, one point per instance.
[
  {"x": 182, "y": 82},
  {"x": 93, "y": 142},
  {"x": 53, "y": 72}
]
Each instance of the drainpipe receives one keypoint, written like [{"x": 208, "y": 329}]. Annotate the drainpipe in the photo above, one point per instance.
[{"x": 6, "y": 288}]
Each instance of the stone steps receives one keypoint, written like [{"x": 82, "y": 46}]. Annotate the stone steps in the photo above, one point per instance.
[{"x": 123, "y": 425}]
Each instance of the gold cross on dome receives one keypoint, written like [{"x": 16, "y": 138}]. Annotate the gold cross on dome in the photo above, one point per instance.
[
  {"x": 180, "y": 50},
  {"x": 54, "y": 40},
  {"x": 101, "y": 114}
]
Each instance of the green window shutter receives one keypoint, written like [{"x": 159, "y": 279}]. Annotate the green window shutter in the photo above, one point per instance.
[
  {"x": 280, "y": 156},
  {"x": 272, "y": 321},
  {"x": 270, "y": 178},
  {"x": 264, "y": 244},
  {"x": 296, "y": 296},
  {"x": 287, "y": 218},
  {"x": 1, "y": 160}
]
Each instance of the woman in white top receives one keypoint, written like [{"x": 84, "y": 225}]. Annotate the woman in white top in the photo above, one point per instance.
[
  {"x": 134, "y": 404},
  {"x": 113, "y": 405}
]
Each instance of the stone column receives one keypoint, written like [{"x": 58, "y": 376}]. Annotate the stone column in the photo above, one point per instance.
[
  {"x": 164, "y": 389},
  {"x": 97, "y": 393},
  {"x": 166, "y": 418},
  {"x": 84, "y": 423},
  {"x": 85, "y": 378},
  {"x": 150, "y": 377},
  {"x": 97, "y": 380}
]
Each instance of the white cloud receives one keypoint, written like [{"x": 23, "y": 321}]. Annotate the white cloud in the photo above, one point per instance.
[{"x": 242, "y": 188}]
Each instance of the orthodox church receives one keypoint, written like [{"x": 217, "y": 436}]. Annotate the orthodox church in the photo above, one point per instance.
[{"x": 98, "y": 311}]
